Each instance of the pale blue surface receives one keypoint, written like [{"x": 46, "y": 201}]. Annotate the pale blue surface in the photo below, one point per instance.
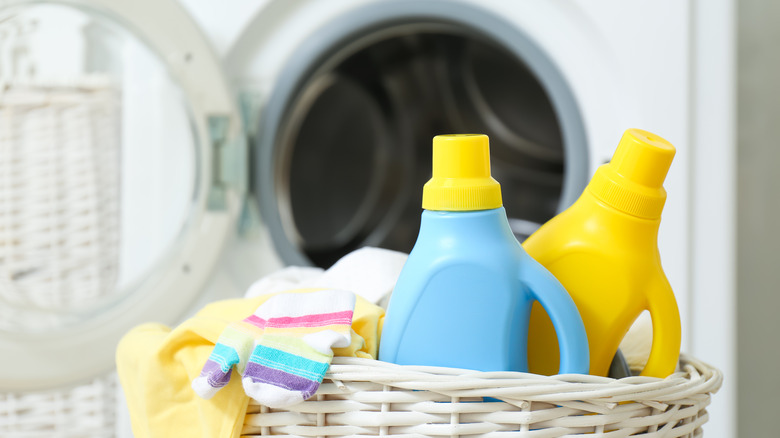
[{"x": 464, "y": 297}]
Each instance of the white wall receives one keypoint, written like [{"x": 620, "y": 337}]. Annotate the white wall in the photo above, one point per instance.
[{"x": 712, "y": 203}]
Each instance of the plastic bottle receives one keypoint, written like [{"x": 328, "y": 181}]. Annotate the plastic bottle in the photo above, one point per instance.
[
  {"x": 464, "y": 296},
  {"x": 604, "y": 250}
]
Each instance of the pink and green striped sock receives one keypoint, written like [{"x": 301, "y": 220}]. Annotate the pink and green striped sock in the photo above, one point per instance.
[
  {"x": 292, "y": 356},
  {"x": 233, "y": 348}
]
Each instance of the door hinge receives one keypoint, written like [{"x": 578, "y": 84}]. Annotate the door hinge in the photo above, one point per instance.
[{"x": 228, "y": 161}]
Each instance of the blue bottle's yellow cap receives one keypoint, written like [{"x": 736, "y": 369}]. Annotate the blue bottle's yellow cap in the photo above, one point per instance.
[
  {"x": 461, "y": 175},
  {"x": 632, "y": 182}
]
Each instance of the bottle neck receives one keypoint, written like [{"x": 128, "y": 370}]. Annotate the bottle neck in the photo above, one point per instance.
[
  {"x": 626, "y": 195},
  {"x": 624, "y": 228},
  {"x": 467, "y": 224}
]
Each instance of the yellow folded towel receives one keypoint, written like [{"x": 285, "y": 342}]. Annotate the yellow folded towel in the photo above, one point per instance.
[{"x": 157, "y": 364}]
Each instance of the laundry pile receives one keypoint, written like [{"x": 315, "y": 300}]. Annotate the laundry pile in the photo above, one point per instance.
[{"x": 280, "y": 339}]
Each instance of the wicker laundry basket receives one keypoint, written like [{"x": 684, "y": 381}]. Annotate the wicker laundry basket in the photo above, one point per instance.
[
  {"x": 59, "y": 201},
  {"x": 361, "y": 397},
  {"x": 59, "y": 236},
  {"x": 86, "y": 411}
]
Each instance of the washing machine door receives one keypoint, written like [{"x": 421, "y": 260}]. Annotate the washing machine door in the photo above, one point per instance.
[
  {"x": 344, "y": 135},
  {"x": 120, "y": 179}
]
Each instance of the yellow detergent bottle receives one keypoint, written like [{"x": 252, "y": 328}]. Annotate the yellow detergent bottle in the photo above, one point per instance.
[{"x": 604, "y": 250}]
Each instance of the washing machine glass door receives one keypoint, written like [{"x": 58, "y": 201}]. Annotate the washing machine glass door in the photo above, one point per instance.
[
  {"x": 116, "y": 194},
  {"x": 344, "y": 139}
]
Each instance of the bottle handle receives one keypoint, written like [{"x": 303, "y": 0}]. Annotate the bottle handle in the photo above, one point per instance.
[
  {"x": 572, "y": 339},
  {"x": 665, "y": 350}
]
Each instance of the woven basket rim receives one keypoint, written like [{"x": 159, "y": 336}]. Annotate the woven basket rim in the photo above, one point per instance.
[
  {"x": 365, "y": 397},
  {"x": 694, "y": 378}
]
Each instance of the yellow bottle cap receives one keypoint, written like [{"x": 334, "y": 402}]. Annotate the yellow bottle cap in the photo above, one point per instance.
[
  {"x": 461, "y": 175},
  {"x": 632, "y": 181}
]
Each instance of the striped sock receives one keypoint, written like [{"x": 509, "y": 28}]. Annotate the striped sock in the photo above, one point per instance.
[
  {"x": 291, "y": 358},
  {"x": 233, "y": 347}
]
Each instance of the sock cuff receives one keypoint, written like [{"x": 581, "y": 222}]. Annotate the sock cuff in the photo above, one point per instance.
[{"x": 295, "y": 305}]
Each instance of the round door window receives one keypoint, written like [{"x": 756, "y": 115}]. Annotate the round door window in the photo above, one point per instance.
[
  {"x": 97, "y": 165},
  {"x": 345, "y": 142},
  {"x": 112, "y": 211}
]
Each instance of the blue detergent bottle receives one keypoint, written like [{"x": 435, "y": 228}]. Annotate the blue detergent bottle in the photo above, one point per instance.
[{"x": 464, "y": 296}]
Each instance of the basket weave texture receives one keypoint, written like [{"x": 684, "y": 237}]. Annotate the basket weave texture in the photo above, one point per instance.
[
  {"x": 86, "y": 411},
  {"x": 361, "y": 397},
  {"x": 59, "y": 203},
  {"x": 59, "y": 238}
]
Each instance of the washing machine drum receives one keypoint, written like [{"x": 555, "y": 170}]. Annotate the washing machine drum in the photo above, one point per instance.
[
  {"x": 112, "y": 211},
  {"x": 345, "y": 140}
]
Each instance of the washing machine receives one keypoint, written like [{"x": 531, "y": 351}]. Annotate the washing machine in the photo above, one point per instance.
[
  {"x": 341, "y": 101},
  {"x": 306, "y": 136}
]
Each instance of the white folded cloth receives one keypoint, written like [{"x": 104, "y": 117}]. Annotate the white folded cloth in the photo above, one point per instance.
[{"x": 368, "y": 272}]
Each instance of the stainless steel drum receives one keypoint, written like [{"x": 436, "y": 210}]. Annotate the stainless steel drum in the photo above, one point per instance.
[{"x": 344, "y": 143}]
